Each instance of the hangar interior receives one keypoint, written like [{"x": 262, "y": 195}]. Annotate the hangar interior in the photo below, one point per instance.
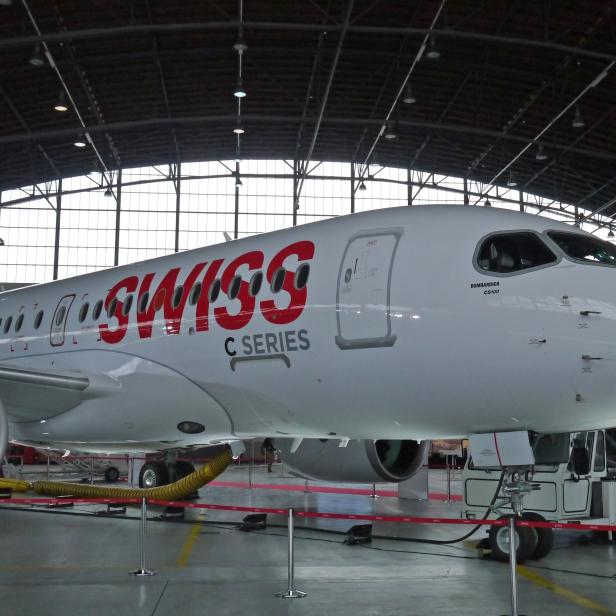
[{"x": 131, "y": 130}]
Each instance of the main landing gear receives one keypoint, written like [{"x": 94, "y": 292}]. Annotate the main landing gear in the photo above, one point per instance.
[{"x": 163, "y": 472}]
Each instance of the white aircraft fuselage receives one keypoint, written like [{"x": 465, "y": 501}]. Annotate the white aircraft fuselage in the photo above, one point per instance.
[{"x": 396, "y": 334}]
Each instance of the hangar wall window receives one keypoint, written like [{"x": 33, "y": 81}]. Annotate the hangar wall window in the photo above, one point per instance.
[
  {"x": 87, "y": 229},
  {"x": 584, "y": 248},
  {"x": 513, "y": 252},
  {"x": 164, "y": 208}
]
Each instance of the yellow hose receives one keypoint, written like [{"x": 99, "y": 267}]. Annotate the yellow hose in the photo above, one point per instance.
[{"x": 173, "y": 491}]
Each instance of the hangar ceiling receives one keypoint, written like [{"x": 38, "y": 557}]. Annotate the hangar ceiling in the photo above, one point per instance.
[{"x": 521, "y": 92}]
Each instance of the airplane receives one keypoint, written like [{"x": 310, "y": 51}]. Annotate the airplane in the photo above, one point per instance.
[{"x": 351, "y": 342}]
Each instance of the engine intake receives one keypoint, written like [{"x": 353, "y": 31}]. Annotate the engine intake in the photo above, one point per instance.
[{"x": 365, "y": 461}]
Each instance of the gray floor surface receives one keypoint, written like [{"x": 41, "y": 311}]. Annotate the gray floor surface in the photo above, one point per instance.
[{"x": 54, "y": 563}]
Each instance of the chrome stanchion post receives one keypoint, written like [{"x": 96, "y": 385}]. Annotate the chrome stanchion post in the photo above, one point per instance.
[
  {"x": 448, "y": 464},
  {"x": 250, "y": 463},
  {"x": 513, "y": 567},
  {"x": 142, "y": 571},
  {"x": 306, "y": 490},
  {"x": 47, "y": 467},
  {"x": 291, "y": 593},
  {"x": 91, "y": 470},
  {"x": 374, "y": 495}
]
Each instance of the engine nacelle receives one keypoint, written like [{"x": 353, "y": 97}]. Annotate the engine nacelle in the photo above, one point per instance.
[{"x": 359, "y": 462}]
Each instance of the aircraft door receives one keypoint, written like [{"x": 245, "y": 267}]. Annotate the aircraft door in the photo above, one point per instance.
[
  {"x": 58, "y": 323},
  {"x": 364, "y": 290}
]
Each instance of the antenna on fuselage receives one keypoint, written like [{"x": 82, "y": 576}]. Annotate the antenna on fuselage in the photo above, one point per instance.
[{"x": 228, "y": 238}]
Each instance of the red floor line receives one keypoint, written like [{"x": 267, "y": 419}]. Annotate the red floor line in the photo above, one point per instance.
[{"x": 288, "y": 487}]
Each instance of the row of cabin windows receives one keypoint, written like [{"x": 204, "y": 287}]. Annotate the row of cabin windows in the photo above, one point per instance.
[
  {"x": 300, "y": 280},
  {"x": 505, "y": 253}
]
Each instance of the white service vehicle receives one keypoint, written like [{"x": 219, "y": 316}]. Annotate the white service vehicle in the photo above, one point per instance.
[{"x": 570, "y": 477}]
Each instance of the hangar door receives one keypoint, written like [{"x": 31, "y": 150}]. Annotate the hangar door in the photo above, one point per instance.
[{"x": 364, "y": 290}]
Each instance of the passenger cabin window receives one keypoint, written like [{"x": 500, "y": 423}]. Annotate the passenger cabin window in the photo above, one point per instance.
[
  {"x": 215, "y": 290},
  {"x": 38, "y": 319},
  {"x": 60, "y": 316},
  {"x": 83, "y": 313},
  {"x": 278, "y": 280},
  {"x": 301, "y": 276},
  {"x": 128, "y": 302},
  {"x": 143, "y": 302},
  {"x": 111, "y": 310},
  {"x": 7, "y": 324},
  {"x": 513, "y": 252},
  {"x": 195, "y": 294},
  {"x": 98, "y": 308},
  {"x": 19, "y": 322},
  {"x": 234, "y": 287},
  {"x": 583, "y": 248},
  {"x": 254, "y": 286},
  {"x": 177, "y": 296}
]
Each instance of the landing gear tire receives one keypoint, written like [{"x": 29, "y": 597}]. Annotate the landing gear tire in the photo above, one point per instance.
[
  {"x": 526, "y": 541},
  {"x": 153, "y": 474},
  {"x": 545, "y": 536},
  {"x": 112, "y": 474}
]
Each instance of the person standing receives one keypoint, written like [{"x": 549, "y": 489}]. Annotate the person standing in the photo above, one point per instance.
[{"x": 269, "y": 451}]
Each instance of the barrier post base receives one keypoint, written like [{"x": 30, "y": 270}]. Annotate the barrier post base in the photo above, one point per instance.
[
  {"x": 142, "y": 573},
  {"x": 291, "y": 594}
]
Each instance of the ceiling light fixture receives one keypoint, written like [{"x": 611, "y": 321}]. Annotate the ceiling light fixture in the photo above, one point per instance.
[
  {"x": 433, "y": 53},
  {"x": 238, "y": 181},
  {"x": 61, "y": 102},
  {"x": 408, "y": 98},
  {"x": 541, "y": 155},
  {"x": 37, "y": 58},
  {"x": 389, "y": 133},
  {"x": 240, "y": 91},
  {"x": 610, "y": 234},
  {"x": 487, "y": 203},
  {"x": 108, "y": 192},
  {"x": 362, "y": 186},
  {"x": 578, "y": 120},
  {"x": 511, "y": 182},
  {"x": 79, "y": 142},
  {"x": 1, "y": 242},
  {"x": 238, "y": 130},
  {"x": 240, "y": 45}
]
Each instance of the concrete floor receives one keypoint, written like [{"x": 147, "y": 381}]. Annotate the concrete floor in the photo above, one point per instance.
[{"x": 60, "y": 563}]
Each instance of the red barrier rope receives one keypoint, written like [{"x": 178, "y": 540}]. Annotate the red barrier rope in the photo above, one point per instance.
[{"x": 309, "y": 514}]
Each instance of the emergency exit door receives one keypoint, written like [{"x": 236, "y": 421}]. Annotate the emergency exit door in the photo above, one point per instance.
[
  {"x": 58, "y": 324},
  {"x": 364, "y": 290}
]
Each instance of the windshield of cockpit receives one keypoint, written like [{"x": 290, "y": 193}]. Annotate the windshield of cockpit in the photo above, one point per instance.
[{"x": 583, "y": 248}]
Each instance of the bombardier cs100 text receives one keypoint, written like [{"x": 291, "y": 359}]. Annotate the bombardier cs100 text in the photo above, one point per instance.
[{"x": 377, "y": 330}]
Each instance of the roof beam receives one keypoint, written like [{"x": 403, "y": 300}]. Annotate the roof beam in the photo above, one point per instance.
[
  {"x": 137, "y": 29},
  {"x": 192, "y": 121}
]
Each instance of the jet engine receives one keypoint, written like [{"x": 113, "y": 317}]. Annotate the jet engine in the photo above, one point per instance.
[{"x": 365, "y": 461}]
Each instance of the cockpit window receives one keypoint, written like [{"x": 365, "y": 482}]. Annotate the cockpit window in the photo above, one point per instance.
[
  {"x": 512, "y": 252},
  {"x": 584, "y": 248}
]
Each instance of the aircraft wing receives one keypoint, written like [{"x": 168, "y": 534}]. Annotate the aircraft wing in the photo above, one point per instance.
[{"x": 30, "y": 395}]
